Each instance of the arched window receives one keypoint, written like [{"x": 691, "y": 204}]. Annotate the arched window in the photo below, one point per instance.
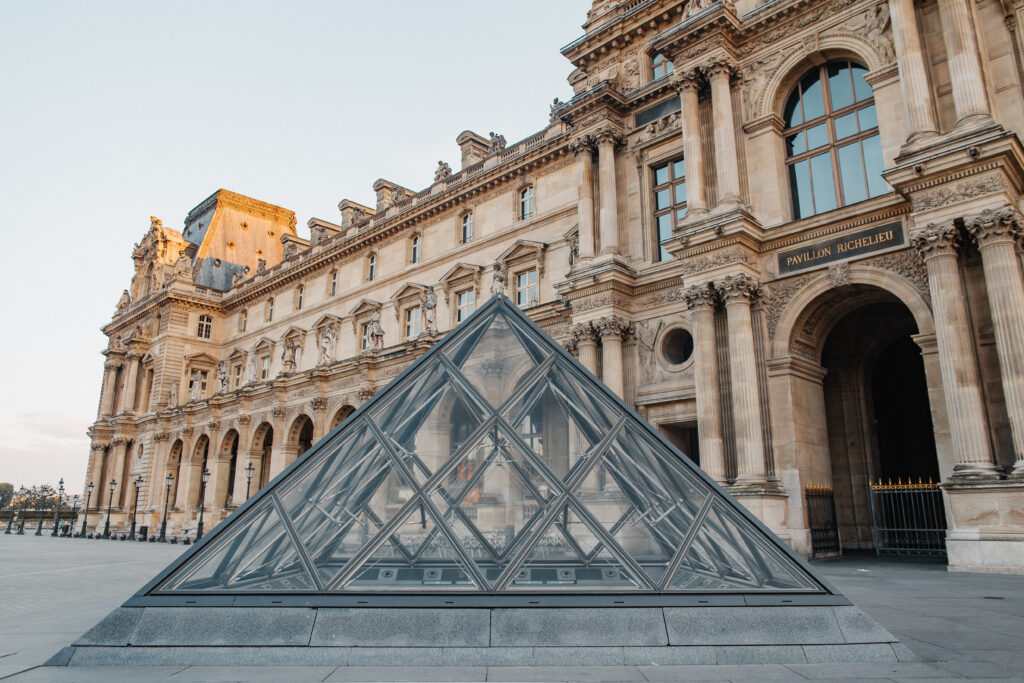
[
  {"x": 416, "y": 249},
  {"x": 371, "y": 267},
  {"x": 467, "y": 227},
  {"x": 833, "y": 151},
  {"x": 526, "y": 203},
  {"x": 660, "y": 67}
]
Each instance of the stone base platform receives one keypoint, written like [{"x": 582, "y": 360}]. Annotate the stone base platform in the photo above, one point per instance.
[{"x": 565, "y": 636}]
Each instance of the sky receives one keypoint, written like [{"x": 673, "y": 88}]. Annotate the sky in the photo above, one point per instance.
[{"x": 112, "y": 112}]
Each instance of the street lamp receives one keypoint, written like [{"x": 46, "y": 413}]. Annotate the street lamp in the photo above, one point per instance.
[
  {"x": 60, "y": 499},
  {"x": 135, "y": 507},
  {"x": 74, "y": 514},
  {"x": 39, "y": 526},
  {"x": 202, "y": 502},
  {"x": 10, "y": 520},
  {"x": 24, "y": 507},
  {"x": 110, "y": 501},
  {"x": 249, "y": 469},
  {"x": 88, "y": 495},
  {"x": 163, "y": 525}
]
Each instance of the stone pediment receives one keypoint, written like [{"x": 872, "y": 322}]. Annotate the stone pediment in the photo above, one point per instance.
[
  {"x": 325, "y": 320},
  {"x": 264, "y": 343},
  {"x": 365, "y": 306},
  {"x": 293, "y": 332}
]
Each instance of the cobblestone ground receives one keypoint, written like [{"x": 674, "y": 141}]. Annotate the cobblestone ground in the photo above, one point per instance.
[{"x": 958, "y": 625}]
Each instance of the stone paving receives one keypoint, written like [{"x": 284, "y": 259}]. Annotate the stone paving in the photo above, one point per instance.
[{"x": 958, "y": 626}]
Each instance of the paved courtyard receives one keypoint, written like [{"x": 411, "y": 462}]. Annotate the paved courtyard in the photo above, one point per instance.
[{"x": 957, "y": 625}]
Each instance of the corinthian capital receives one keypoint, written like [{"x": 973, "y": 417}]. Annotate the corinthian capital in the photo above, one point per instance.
[
  {"x": 720, "y": 66},
  {"x": 937, "y": 240},
  {"x": 687, "y": 81},
  {"x": 607, "y": 135},
  {"x": 613, "y": 326},
  {"x": 701, "y": 298},
  {"x": 582, "y": 332},
  {"x": 994, "y": 225},
  {"x": 581, "y": 144},
  {"x": 739, "y": 288}
]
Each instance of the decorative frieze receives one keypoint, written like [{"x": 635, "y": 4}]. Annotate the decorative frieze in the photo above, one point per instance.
[
  {"x": 716, "y": 259},
  {"x": 960, "y": 192},
  {"x": 318, "y": 403},
  {"x": 776, "y": 296}
]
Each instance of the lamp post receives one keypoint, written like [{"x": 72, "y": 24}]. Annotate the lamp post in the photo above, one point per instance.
[
  {"x": 74, "y": 514},
  {"x": 110, "y": 502},
  {"x": 202, "y": 503},
  {"x": 10, "y": 520},
  {"x": 88, "y": 495},
  {"x": 135, "y": 507},
  {"x": 163, "y": 525},
  {"x": 39, "y": 525},
  {"x": 60, "y": 499},
  {"x": 24, "y": 507},
  {"x": 249, "y": 469}
]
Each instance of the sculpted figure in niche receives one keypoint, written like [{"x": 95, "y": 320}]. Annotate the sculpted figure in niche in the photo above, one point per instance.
[
  {"x": 172, "y": 396},
  {"x": 196, "y": 391},
  {"x": 498, "y": 281},
  {"x": 646, "y": 336},
  {"x": 429, "y": 311},
  {"x": 250, "y": 370},
  {"x": 288, "y": 356},
  {"x": 376, "y": 331},
  {"x": 222, "y": 377},
  {"x": 328, "y": 341}
]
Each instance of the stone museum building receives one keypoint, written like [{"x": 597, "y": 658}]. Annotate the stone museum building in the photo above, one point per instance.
[{"x": 788, "y": 233}]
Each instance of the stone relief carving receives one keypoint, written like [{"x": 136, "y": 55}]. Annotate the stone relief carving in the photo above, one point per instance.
[
  {"x": 375, "y": 331},
  {"x": 715, "y": 259},
  {"x": 250, "y": 370},
  {"x": 223, "y": 384},
  {"x": 874, "y": 26},
  {"x": 278, "y": 412},
  {"x": 663, "y": 297},
  {"x": 327, "y": 342},
  {"x": 755, "y": 76},
  {"x": 646, "y": 336},
  {"x": 659, "y": 126},
  {"x": 776, "y": 296},
  {"x": 908, "y": 265},
  {"x": 318, "y": 403},
  {"x": 430, "y": 311},
  {"x": 288, "y": 355},
  {"x": 172, "y": 396},
  {"x": 599, "y": 301},
  {"x": 839, "y": 274},
  {"x": 962, "y": 191}
]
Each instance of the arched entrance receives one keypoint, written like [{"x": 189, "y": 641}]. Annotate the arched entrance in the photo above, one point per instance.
[
  {"x": 862, "y": 398},
  {"x": 200, "y": 458},
  {"x": 227, "y": 462},
  {"x": 263, "y": 444},
  {"x": 341, "y": 415},
  {"x": 300, "y": 437},
  {"x": 173, "y": 467}
]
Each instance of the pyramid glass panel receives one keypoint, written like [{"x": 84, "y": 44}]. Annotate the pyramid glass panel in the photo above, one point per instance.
[{"x": 497, "y": 464}]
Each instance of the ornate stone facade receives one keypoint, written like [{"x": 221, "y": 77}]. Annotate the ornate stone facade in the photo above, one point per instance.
[{"x": 656, "y": 228}]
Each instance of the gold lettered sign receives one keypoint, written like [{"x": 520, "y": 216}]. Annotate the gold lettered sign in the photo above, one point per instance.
[{"x": 839, "y": 248}]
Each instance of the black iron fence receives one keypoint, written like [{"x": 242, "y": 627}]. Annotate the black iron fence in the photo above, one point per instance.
[
  {"x": 908, "y": 518},
  {"x": 821, "y": 519}
]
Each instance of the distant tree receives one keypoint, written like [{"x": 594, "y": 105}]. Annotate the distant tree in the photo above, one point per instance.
[
  {"x": 6, "y": 493},
  {"x": 41, "y": 497}
]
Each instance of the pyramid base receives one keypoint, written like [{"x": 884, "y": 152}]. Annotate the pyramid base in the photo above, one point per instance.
[{"x": 246, "y": 636}]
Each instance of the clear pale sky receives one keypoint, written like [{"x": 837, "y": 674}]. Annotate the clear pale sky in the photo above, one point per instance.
[{"x": 111, "y": 112}]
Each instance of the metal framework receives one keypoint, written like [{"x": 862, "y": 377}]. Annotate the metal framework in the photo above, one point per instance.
[{"x": 495, "y": 470}]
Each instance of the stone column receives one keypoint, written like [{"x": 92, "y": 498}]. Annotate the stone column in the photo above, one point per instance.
[
  {"x": 255, "y": 457},
  {"x": 117, "y": 454},
  {"x": 131, "y": 377},
  {"x": 583, "y": 148},
  {"x": 739, "y": 292},
  {"x": 917, "y": 95},
  {"x": 606, "y": 141},
  {"x": 720, "y": 75},
  {"x": 586, "y": 343},
  {"x": 688, "y": 85},
  {"x": 969, "y": 96},
  {"x": 997, "y": 233},
  {"x": 611, "y": 330},
  {"x": 107, "y": 399},
  {"x": 701, "y": 302},
  {"x": 960, "y": 381}
]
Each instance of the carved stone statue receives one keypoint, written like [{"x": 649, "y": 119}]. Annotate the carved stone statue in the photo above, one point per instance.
[
  {"x": 496, "y": 144},
  {"x": 498, "y": 281},
  {"x": 237, "y": 278},
  {"x": 261, "y": 266},
  {"x": 123, "y": 302},
  {"x": 328, "y": 342},
  {"x": 443, "y": 171},
  {"x": 223, "y": 383},
  {"x": 250, "y": 370},
  {"x": 646, "y": 337},
  {"x": 172, "y": 396},
  {"x": 196, "y": 391},
  {"x": 376, "y": 331},
  {"x": 183, "y": 267},
  {"x": 430, "y": 311},
  {"x": 288, "y": 360}
]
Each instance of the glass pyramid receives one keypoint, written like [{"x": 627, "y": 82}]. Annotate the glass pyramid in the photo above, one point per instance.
[{"x": 495, "y": 464}]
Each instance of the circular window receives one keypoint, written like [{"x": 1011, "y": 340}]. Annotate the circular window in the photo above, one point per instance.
[{"x": 677, "y": 348}]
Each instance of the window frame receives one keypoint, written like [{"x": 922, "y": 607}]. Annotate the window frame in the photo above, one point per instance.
[
  {"x": 332, "y": 283},
  {"x": 673, "y": 208},
  {"x": 460, "y": 307},
  {"x": 300, "y": 292},
  {"x": 466, "y": 228},
  {"x": 205, "y": 327},
  {"x": 535, "y": 286},
  {"x": 667, "y": 66},
  {"x": 831, "y": 148},
  {"x": 268, "y": 313},
  {"x": 527, "y": 202},
  {"x": 243, "y": 319},
  {"x": 371, "y": 266},
  {"x": 416, "y": 248},
  {"x": 412, "y": 316}
]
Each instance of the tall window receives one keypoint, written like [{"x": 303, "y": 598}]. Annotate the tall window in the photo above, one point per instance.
[
  {"x": 269, "y": 315},
  {"x": 465, "y": 304},
  {"x": 205, "y": 325},
  {"x": 467, "y": 228},
  {"x": 299, "y": 292},
  {"x": 669, "y": 201},
  {"x": 238, "y": 377},
  {"x": 371, "y": 267},
  {"x": 334, "y": 282},
  {"x": 833, "y": 151},
  {"x": 660, "y": 67},
  {"x": 243, "y": 319},
  {"x": 416, "y": 248},
  {"x": 364, "y": 337},
  {"x": 526, "y": 288},
  {"x": 412, "y": 322},
  {"x": 264, "y": 367},
  {"x": 526, "y": 202}
]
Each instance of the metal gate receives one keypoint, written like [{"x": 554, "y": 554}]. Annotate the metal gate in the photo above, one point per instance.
[
  {"x": 908, "y": 518},
  {"x": 821, "y": 519}
]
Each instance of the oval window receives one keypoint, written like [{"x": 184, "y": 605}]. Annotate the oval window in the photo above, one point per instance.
[{"x": 677, "y": 348}]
